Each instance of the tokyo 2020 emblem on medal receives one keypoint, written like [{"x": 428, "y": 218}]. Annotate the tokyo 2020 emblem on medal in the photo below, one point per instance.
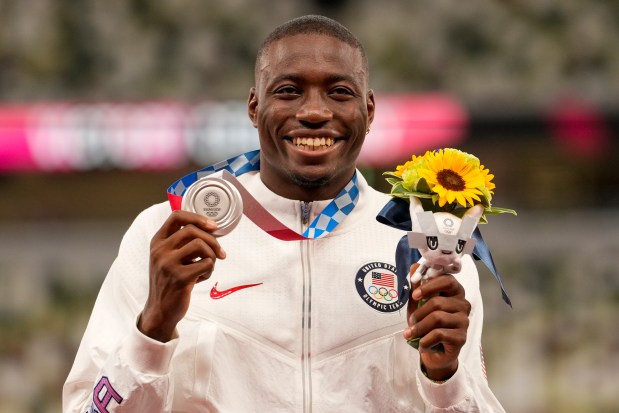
[
  {"x": 216, "y": 199},
  {"x": 377, "y": 285}
]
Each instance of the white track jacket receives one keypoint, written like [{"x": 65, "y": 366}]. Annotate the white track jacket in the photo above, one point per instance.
[{"x": 280, "y": 326}]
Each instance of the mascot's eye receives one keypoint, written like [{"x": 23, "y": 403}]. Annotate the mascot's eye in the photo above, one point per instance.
[
  {"x": 460, "y": 246},
  {"x": 432, "y": 242}
]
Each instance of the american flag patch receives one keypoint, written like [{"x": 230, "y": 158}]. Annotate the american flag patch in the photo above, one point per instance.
[
  {"x": 376, "y": 283},
  {"x": 385, "y": 280}
]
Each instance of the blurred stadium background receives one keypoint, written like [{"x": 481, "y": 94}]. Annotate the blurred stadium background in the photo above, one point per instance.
[{"x": 104, "y": 104}]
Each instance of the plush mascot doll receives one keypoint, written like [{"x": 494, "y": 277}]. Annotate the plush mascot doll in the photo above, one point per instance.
[{"x": 441, "y": 238}]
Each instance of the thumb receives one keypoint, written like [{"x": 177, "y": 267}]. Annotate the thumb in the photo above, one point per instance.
[
  {"x": 413, "y": 300},
  {"x": 413, "y": 303},
  {"x": 415, "y": 280}
]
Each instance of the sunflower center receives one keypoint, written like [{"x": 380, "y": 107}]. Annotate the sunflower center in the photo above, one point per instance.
[{"x": 450, "y": 180}]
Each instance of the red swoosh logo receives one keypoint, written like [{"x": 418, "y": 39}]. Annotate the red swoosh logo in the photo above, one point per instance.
[{"x": 216, "y": 295}]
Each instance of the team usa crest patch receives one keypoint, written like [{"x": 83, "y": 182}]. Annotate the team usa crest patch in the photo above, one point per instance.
[{"x": 377, "y": 285}]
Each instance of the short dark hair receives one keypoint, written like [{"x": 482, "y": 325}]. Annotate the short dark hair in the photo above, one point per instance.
[{"x": 312, "y": 24}]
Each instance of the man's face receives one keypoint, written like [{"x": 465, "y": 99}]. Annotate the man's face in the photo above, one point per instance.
[{"x": 312, "y": 108}]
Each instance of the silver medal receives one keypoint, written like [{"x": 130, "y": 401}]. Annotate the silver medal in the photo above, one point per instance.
[{"x": 216, "y": 199}]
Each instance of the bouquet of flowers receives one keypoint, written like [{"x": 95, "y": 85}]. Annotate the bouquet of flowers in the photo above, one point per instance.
[
  {"x": 449, "y": 192},
  {"x": 446, "y": 180}
]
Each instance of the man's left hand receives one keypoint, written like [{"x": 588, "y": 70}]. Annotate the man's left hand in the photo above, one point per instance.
[{"x": 443, "y": 319}]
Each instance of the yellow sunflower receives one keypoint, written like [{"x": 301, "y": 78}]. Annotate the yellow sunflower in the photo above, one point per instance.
[
  {"x": 400, "y": 169},
  {"x": 409, "y": 172},
  {"x": 454, "y": 176},
  {"x": 487, "y": 179}
]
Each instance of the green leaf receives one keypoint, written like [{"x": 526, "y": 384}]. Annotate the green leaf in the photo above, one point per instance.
[
  {"x": 420, "y": 194},
  {"x": 485, "y": 197},
  {"x": 398, "y": 188},
  {"x": 391, "y": 174},
  {"x": 400, "y": 195},
  {"x": 423, "y": 187},
  {"x": 393, "y": 181},
  {"x": 497, "y": 210}
]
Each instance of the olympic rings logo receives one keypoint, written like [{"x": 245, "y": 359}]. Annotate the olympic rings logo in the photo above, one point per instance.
[{"x": 382, "y": 293}]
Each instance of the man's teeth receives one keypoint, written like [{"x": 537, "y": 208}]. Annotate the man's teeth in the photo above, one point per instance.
[{"x": 312, "y": 144}]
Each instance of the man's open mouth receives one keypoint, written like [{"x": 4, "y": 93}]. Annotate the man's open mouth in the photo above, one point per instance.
[{"x": 313, "y": 144}]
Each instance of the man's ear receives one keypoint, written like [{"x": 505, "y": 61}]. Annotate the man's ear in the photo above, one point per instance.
[
  {"x": 371, "y": 106},
  {"x": 252, "y": 105}
]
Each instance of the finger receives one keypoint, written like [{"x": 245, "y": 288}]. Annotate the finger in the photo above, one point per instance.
[
  {"x": 179, "y": 219},
  {"x": 408, "y": 334},
  {"x": 189, "y": 233},
  {"x": 165, "y": 259},
  {"x": 434, "y": 313},
  {"x": 203, "y": 269},
  {"x": 199, "y": 261},
  {"x": 450, "y": 305},
  {"x": 439, "y": 320},
  {"x": 193, "y": 264},
  {"x": 186, "y": 264},
  {"x": 445, "y": 285},
  {"x": 195, "y": 251},
  {"x": 440, "y": 286},
  {"x": 452, "y": 339},
  {"x": 448, "y": 331},
  {"x": 412, "y": 302}
]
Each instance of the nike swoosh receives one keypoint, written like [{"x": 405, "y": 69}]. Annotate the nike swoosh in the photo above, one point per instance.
[{"x": 216, "y": 295}]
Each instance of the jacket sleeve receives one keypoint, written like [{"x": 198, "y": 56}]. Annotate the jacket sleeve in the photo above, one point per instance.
[
  {"x": 467, "y": 390},
  {"x": 117, "y": 368}
]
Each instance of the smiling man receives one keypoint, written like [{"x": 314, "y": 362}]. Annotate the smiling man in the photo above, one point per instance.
[
  {"x": 312, "y": 108},
  {"x": 312, "y": 323}
]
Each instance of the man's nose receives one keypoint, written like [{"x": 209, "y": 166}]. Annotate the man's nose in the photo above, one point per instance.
[{"x": 314, "y": 110}]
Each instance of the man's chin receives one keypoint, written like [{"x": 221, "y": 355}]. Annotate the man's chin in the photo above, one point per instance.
[{"x": 309, "y": 182}]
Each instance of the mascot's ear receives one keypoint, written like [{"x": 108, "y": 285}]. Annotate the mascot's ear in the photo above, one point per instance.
[
  {"x": 475, "y": 212},
  {"x": 469, "y": 221},
  {"x": 414, "y": 209}
]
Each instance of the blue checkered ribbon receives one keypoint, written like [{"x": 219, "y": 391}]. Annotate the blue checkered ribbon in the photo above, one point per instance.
[
  {"x": 335, "y": 212},
  {"x": 330, "y": 217},
  {"x": 246, "y": 162}
]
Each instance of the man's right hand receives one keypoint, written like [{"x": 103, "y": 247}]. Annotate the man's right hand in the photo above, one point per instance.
[{"x": 182, "y": 253}]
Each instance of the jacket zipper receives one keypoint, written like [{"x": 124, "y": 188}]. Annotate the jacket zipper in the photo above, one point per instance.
[
  {"x": 306, "y": 208},
  {"x": 306, "y": 367}
]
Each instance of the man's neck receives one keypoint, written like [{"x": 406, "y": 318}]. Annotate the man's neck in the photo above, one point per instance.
[{"x": 300, "y": 189}]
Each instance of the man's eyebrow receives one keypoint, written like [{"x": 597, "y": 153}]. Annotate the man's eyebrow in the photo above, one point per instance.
[
  {"x": 332, "y": 78},
  {"x": 287, "y": 76},
  {"x": 340, "y": 78}
]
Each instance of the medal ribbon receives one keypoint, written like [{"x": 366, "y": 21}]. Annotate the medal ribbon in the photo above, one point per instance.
[{"x": 331, "y": 216}]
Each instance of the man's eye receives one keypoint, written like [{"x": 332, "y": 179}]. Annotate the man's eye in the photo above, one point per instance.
[
  {"x": 344, "y": 91},
  {"x": 286, "y": 90}
]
